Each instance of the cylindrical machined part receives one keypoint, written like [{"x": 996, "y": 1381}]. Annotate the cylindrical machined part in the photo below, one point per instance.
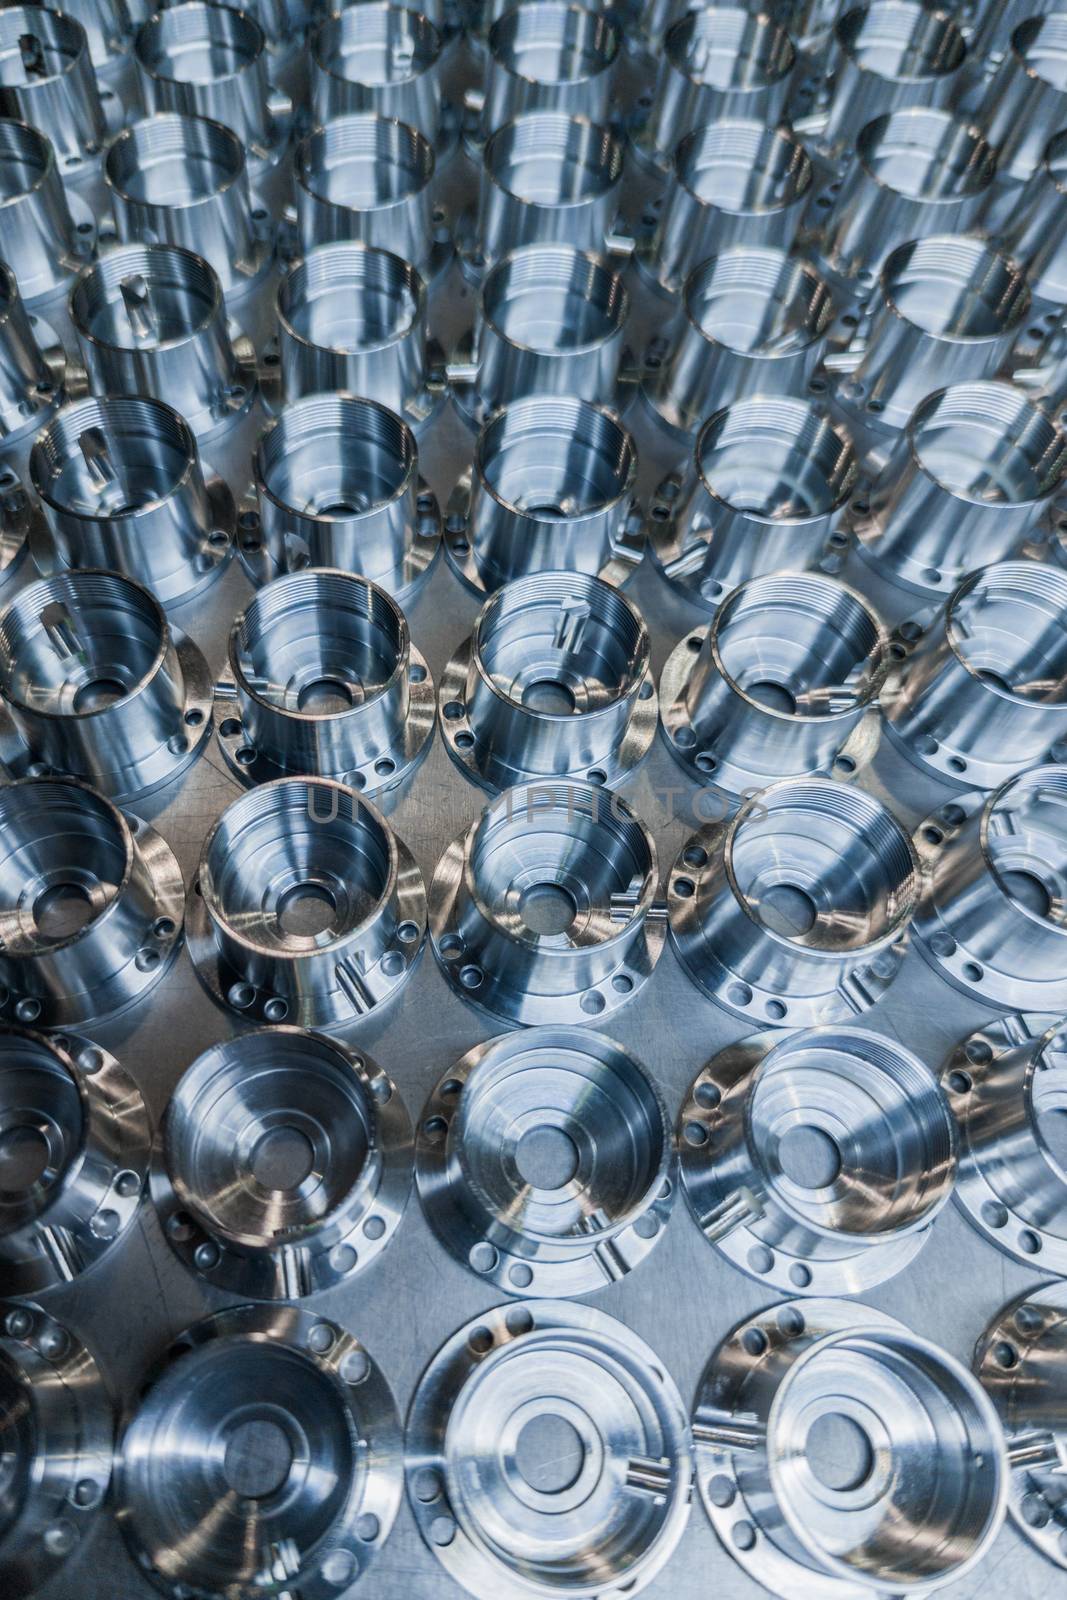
[
  {"x": 283, "y": 1164},
  {"x": 1026, "y": 99},
  {"x": 970, "y": 475},
  {"x": 90, "y": 904},
  {"x": 323, "y": 679},
  {"x": 555, "y": 681},
  {"x": 337, "y": 485},
  {"x": 550, "y": 56},
  {"x": 764, "y": 492},
  {"x": 784, "y": 683},
  {"x": 94, "y": 681},
  {"x": 543, "y": 909},
  {"x": 183, "y": 180},
  {"x": 123, "y": 489},
  {"x": 58, "y": 1443},
  {"x": 73, "y": 1157},
  {"x": 46, "y": 235},
  {"x": 1036, "y": 229},
  {"x": 994, "y": 916},
  {"x": 151, "y": 320},
  {"x": 551, "y": 490},
  {"x": 30, "y": 385},
  {"x": 17, "y": 518},
  {"x": 817, "y": 1161},
  {"x": 768, "y": 1392},
  {"x": 47, "y": 79},
  {"x": 378, "y": 57},
  {"x": 981, "y": 689},
  {"x": 753, "y": 321},
  {"x": 109, "y": 28},
  {"x": 797, "y": 910},
  {"x": 306, "y": 907}
]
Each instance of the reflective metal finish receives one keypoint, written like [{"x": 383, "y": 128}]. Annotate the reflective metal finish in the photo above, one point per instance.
[
  {"x": 544, "y": 1161},
  {"x": 1026, "y": 100},
  {"x": 283, "y": 1165},
  {"x": 17, "y": 517},
  {"x": 47, "y": 79},
  {"x": 32, "y": 367},
  {"x": 550, "y": 56},
  {"x": 384, "y": 58},
  {"x": 46, "y": 234},
  {"x": 109, "y": 28},
  {"x": 624, "y": 1502},
  {"x": 1036, "y": 228}
]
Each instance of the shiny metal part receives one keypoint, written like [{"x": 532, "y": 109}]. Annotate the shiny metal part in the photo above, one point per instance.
[
  {"x": 47, "y": 78},
  {"x": 784, "y": 683},
  {"x": 819, "y": 1161},
  {"x": 974, "y": 470},
  {"x": 74, "y": 1147},
  {"x": 46, "y": 233},
  {"x": 151, "y": 319},
  {"x": 282, "y": 1418},
  {"x": 123, "y": 488},
  {"x": 283, "y": 1166},
  {"x": 840, "y": 1455},
  {"x": 183, "y": 180},
  {"x": 551, "y": 489},
  {"x": 981, "y": 689},
  {"x": 384, "y": 58},
  {"x": 797, "y": 910},
  {"x": 323, "y": 679},
  {"x": 543, "y": 910},
  {"x": 95, "y": 682},
  {"x": 555, "y": 681},
  {"x": 33, "y": 367},
  {"x": 549, "y": 56},
  {"x": 765, "y": 491},
  {"x": 1036, "y": 229},
  {"x": 544, "y": 1162},
  {"x": 605, "y": 1512},
  {"x": 91, "y": 904},
  {"x": 993, "y": 921},
  {"x": 57, "y": 1442},
  {"x": 109, "y": 28},
  {"x": 1025, "y": 102},
  {"x": 17, "y": 516},
  {"x": 337, "y": 485},
  {"x": 306, "y": 907}
]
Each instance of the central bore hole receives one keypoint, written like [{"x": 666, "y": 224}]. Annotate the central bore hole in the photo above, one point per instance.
[
  {"x": 548, "y": 696},
  {"x": 547, "y": 908},
  {"x": 809, "y": 1156},
  {"x": 94, "y": 696},
  {"x": 307, "y": 909},
  {"x": 62, "y": 910},
  {"x": 258, "y": 1459},
  {"x": 282, "y": 1159},
  {"x": 775, "y": 696},
  {"x": 839, "y": 1452},
  {"x": 24, "y": 1157},
  {"x": 1028, "y": 890},
  {"x": 549, "y": 1453},
  {"x": 787, "y": 909},
  {"x": 326, "y": 696},
  {"x": 546, "y": 1158}
]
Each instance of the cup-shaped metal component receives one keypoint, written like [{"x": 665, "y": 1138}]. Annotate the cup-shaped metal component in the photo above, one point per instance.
[
  {"x": 554, "y": 682},
  {"x": 547, "y": 179},
  {"x": 754, "y": 321},
  {"x": 542, "y": 910},
  {"x": 337, "y": 481},
  {"x": 297, "y": 1178},
  {"x": 1026, "y": 100},
  {"x": 90, "y": 904},
  {"x": 527, "y": 1136},
  {"x": 366, "y": 177},
  {"x": 47, "y": 79},
  {"x": 46, "y": 236},
  {"x": 718, "y": 61},
  {"x": 182, "y": 180},
  {"x": 327, "y": 682},
  {"x": 307, "y": 908},
  {"x": 123, "y": 489},
  {"x": 981, "y": 691},
  {"x": 994, "y": 919},
  {"x": 211, "y": 61},
  {"x": 818, "y": 1161},
  {"x": 777, "y": 686},
  {"x": 29, "y": 388},
  {"x": 797, "y": 910},
  {"x": 973, "y": 471},
  {"x": 1036, "y": 229},
  {"x": 552, "y": 490},
  {"x": 109, "y": 28},
  {"x": 549, "y": 55},
  {"x": 151, "y": 319},
  {"x": 764, "y": 491},
  {"x": 378, "y": 57}
]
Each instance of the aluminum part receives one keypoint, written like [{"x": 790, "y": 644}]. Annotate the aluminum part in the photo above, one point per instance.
[
  {"x": 626, "y": 1474},
  {"x": 17, "y": 517},
  {"x": 544, "y": 1162},
  {"x": 33, "y": 367},
  {"x": 1036, "y": 229},
  {"x": 47, "y": 78},
  {"x": 383, "y": 58},
  {"x": 1026, "y": 99},
  {"x": 283, "y": 1165},
  {"x": 109, "y": 28},
  {"x": 47, "y": 234},
  {"x": 549, "y": 56}
]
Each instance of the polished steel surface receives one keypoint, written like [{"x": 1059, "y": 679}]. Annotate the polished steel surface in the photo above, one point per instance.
[
  {"x": 47, "y": 234},
  {"x": 47, "y": 78}
]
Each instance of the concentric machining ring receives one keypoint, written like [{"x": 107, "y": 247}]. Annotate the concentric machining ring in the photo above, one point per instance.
[
  {"x": 91, "y": 904},
  {"x": 544, "y": 1162},
  {"x": 605, "y": 1507},
  {"x": 555, "y": 681},
  {"x": 543, "y": 911},
  {"x": 306, "y": 907},
  {"x": 797, "y": 910},
  {"x": 803, "y": 1392},
  {"x": 280, "y": 1422},
  {"x": 58, "y": 1431},
  {"x": 283, "y": 1165},
  {"x": 818, "y": 1161}
]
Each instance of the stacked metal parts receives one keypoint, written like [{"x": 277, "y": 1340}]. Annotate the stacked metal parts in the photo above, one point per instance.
[{"x": 559, "y": 509}]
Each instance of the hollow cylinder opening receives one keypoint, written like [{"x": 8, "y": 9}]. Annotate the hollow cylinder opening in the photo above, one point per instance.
[
  {"x": 546, "y": 159},
  {"x": 335, "y": 456},
  {"x": 743, "y": 167},
  {"x": 37, "y": 44},
  {"x": 901, "y": 40},
  {"x": 199, "y": 44},
  {"x": 142, "y": 297},
  {"x": 111, "y": 457},
  {"x": 955, "y": 288},
  {"x": 555, "y": 458},
  {"x": 554, "y": 300},
  {"x": 728, "y": 48},
  {"x": 26, "y": 159},
  {"x": 988, "y": 444},
  {"x": 377, "y": 45},
  {"x": 64, "y": 855},
  {"x": 363, "y": 161},
  {"x": 926, "y": 155},
  {"x": 779, "y": 459},
  {"x": 1007, "y": 626},
  {"x": 1025, "y": 836},
  {"x": 552, "y": 43},
  {"x": 350, "y": 298},
  {"x": 42, "y": 1127},
  {"x": 170, "y": 160},
  {"x": 760, "y": 303}
]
